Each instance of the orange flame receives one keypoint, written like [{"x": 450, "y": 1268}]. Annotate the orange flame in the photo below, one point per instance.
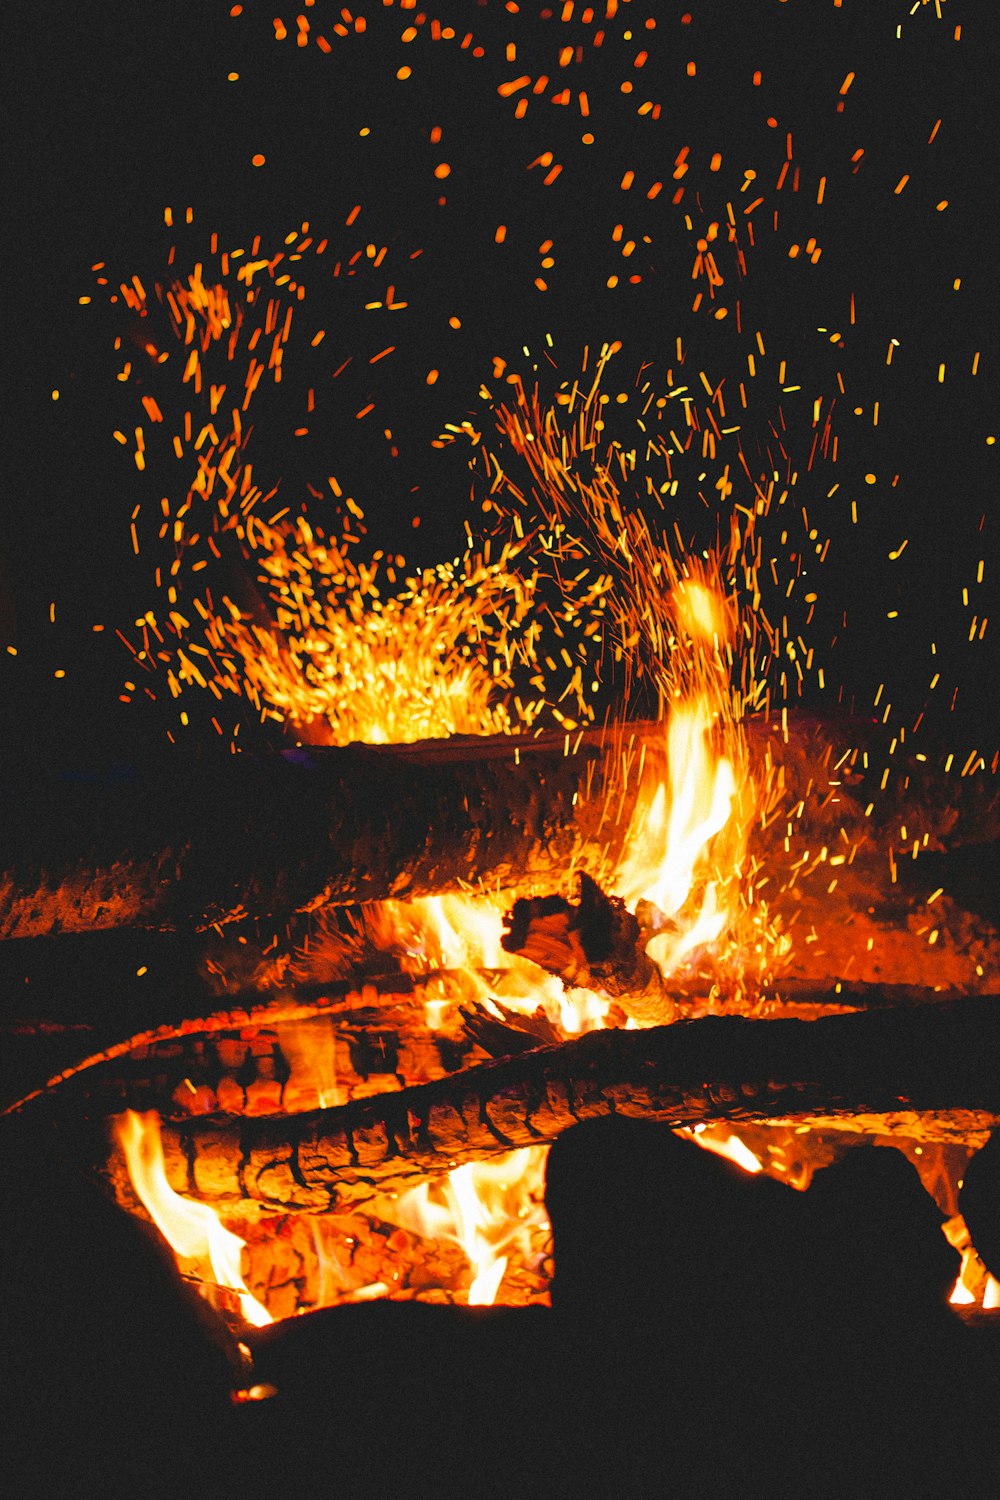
[
  {"x": 462, "y": 934},
  {"x": 191, "y": 1229},
  {"x": 688, "y": 837},
  {"x": 721, "y": 1142},
  {"x": 486, "y": 1207}
]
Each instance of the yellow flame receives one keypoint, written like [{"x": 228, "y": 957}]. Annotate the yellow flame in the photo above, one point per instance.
[
  {"x": 721, "y": 1142},
  {"x": 688, "y": 836},
  {"x": 487, "y": 1208},
  {"x": 191, "y": 1229},
  {"x": 675, "y": 828},
  {"x": 462, "y": 934}
]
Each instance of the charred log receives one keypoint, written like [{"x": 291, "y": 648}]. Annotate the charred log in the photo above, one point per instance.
[
  {"x": 207, "y": 843},
  {"x": 200, "y": 843},
  {"x": 379, "y": 1030},
  {"x": 191, "y": 845},
  {"x": 77, "y": 1002},
  {"x": 595, "y": 944},
  {"x": 930, "y": 1058}
]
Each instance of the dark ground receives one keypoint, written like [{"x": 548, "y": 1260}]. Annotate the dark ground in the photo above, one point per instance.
[{"x": 710, "y": 1332}]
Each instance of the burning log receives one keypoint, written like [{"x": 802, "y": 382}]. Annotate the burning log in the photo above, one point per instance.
[
  {"x": 42, "y": 1054},
  {"x": 192, "y": 845},
  {"x": 930, "y": 1058},
  {"x": 597, "y": 944}
]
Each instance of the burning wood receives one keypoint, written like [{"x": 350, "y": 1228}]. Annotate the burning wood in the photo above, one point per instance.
[
  {"x": 663, "y": 814},
  {"x": 927, "y": 1059},
  {"x": 191, "y": 1228},
  {"x": 598, "y": 944}
]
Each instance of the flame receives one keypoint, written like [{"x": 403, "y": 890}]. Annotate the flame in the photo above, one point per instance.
[
  {"x": 461, "y": 935},
  {"x": 452, "y": 931},
  {"x": 686, "y": 843},
  {"x": 677, "y": 629},
  {"x": 311, "y": 1054},
  {"x": 700, "y": 610},
  {"x": 488, "y": 1208},
  {"x": 722, "y": 1142},
  {"x": 688, "y": 836},
  {"x": 191, "y": 1229},
  {"x": 671, "y": 835},
  {"x": 974, "y": 1284}
]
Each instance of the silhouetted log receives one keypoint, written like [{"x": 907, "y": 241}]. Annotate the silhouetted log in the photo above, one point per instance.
[
  {"x": 192, "y": 844},
  {"x": 930, "y": 1058}
]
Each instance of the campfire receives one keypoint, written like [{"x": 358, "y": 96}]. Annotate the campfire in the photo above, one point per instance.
[
  {"x": 493, "y": 929},
  {"x": 498, "y": 922},
  {"x": 526, "y": 860}
]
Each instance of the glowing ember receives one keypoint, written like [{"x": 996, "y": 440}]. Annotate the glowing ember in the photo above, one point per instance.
[
  {"x": 356, "y": 652},
  {"x": 488, "y": 1208},
  {"x": 191, "y": 1229}
]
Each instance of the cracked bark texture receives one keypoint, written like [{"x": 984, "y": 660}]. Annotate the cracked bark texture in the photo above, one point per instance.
[{"x": 933, "y": 1058}]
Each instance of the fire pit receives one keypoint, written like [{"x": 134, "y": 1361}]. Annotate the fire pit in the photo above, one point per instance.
[{"x": 478, "y": 940}]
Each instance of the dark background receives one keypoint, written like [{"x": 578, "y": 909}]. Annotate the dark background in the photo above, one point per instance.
[{"x": 117, "y": 110}]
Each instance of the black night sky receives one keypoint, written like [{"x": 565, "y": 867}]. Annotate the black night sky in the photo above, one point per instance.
[{"x": 124, "y": 108}]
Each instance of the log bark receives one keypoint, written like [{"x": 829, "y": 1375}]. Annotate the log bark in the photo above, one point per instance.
[
  {"x": 379, "y": 1022},
  {"x": 930, "y": 1058},
  {"x": 193, "y": 844}
]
